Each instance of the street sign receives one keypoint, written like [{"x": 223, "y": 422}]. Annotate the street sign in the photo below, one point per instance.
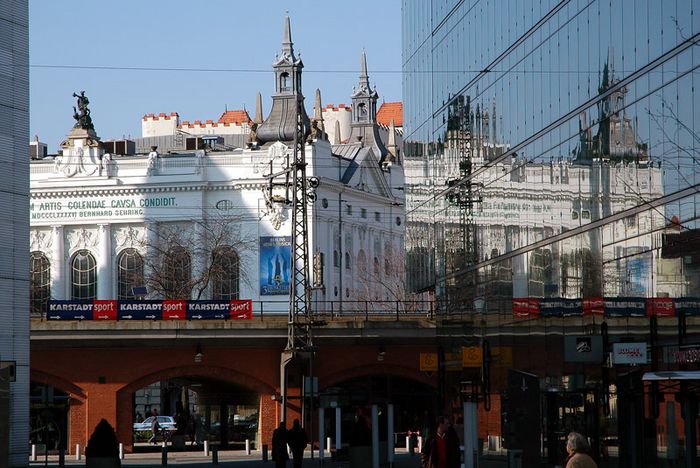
[
  {"x": 472, "y": 356},
  {"x": 502, "y": 356},
  {"x": 428, "y": 362}
]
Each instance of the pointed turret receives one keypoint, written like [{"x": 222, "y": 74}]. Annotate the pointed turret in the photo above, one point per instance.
[
  {"x": 318, "y": 112},
  {"x": 280, "y": 125},
  {"x": 391, "y": 147},
  {"x": 336, "y": 135},
  {"x": 364, "y": 113},
  {"x": 258, "y": 110}
]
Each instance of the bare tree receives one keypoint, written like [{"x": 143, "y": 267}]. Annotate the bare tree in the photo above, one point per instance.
[{"x": 185, "y": 259}]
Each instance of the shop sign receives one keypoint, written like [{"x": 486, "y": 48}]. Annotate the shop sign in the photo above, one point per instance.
[
  {"x": 629, "y": 353},
  {"x": 674, "y": 355},
  {"x": 583, "y": 349},
  {"x": 502, "y": 356}
]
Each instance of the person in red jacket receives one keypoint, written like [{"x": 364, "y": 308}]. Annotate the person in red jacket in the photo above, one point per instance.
[{"x": 441, "y": 449}]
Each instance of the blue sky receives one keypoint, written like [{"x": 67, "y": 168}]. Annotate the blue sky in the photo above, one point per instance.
[{"x": 211, "y": 34}]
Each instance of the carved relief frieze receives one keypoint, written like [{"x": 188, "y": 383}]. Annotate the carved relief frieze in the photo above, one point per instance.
[
  {"x": 40, "y": 240},
  {"x": 82, "y": 238}
]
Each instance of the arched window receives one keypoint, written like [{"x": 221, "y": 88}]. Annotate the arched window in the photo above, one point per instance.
[
  {"x": 177, "y": 274},
  {"x": 347, "y": 261},
  {"x": 284, "y": 82},
  {"x": 40, "y": 282},
  {"x": 225, "y": 274},
  {"x": 83, "y": 276},
  {"x": 129, "y": 273}
]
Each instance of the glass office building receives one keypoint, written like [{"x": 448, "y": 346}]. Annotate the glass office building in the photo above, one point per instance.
[{"x": 552, "y": 160}]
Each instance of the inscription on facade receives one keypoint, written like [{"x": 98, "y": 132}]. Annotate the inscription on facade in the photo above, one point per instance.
[{"x": 97, "y": 207}]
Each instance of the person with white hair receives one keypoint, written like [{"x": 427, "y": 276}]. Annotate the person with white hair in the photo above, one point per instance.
[{"x": 579, "y": 452}]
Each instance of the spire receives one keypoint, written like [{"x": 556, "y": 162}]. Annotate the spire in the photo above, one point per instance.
[
  {"x": 363, "y": 124},
  {"x": 287, "y": 44},
  {"x": 336, "y": 135},
  {"x": 391, "y": 143},
  {"x": 280, "y": 124},
  {"x": 364, "y": 77},
  {"x": 258, "y": 110},
  {"x": 318, "y": 114}
]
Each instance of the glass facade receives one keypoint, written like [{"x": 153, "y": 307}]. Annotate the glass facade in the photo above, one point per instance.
[
  {"x": 551, "y": 155},
  {"x": 550, "y": 149}
]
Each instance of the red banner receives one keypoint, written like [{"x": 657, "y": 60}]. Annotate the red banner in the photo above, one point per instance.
[
  {"x": 104, "y": 310},
  {"x": 525, "y": 307},
  {"x": 174, "y": 310},
  {"x": 241, "y": 309},
  {"x": 661, "y": 307},
  {"x": 594, "y": 306}
]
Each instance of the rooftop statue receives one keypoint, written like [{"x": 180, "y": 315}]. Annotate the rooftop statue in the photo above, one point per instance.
[{"x": 82, "y": 113}]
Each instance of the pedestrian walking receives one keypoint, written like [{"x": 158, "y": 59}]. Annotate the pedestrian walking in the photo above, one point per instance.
[
  {"x": 578, "y": 449},
  {"x": 279, "y": 446},
  {"x": 297, "y": 441},
  {"x": 155, "y": 429},
  {"x": 441, "y": 449}
]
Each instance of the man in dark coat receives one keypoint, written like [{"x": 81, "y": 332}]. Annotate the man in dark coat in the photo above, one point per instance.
[
  {"x": 297, "y": 442},
  {"x": 441, "y": 449},
  {"x": 279, "y": 446}
]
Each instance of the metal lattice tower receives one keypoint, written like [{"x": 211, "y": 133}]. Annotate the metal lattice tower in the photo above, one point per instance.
[{"x": 299, "y": 325}]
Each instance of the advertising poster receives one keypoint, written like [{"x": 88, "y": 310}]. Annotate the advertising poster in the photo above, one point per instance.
[{"x": 275, "y": 265}]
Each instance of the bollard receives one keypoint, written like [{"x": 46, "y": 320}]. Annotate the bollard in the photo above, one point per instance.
[
  {"x": 247, "y": 446},
  {"x": 33, "y": 452},
  {"x": 164, "y": 455},
  {"x": 121, "y": 451},
  {"x": 215, "y": 456},
  {"x": 77, "y": 452},
  {"x": 206, "y": 448},
  {"x": 328, "y": 444},
  {"x": 420, "y": 444},
  {"x": 264, "y": 452},
  {"x": 62, "y": 458}
]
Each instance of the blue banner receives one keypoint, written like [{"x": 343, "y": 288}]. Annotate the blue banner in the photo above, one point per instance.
[
  {"x": 625, "y": 307},
  {"x": 275, "y": 265},
  {"x": 690, "y": 306},
  {"x": 208, "y": 310},
  {"x": 70, "y": 310},
  {"x": 560, "y": 307},
  {"x": 140, "y": 310}
]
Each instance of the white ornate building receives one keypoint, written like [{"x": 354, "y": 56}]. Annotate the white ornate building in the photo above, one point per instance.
[{"x": 99, "y": 223}]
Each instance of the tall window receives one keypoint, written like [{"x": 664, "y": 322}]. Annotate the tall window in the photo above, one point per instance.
[
  {"x": 129, "y": 273},
  {"x": 40, "y": 282},
  {"x": 177, "y": 274},
  {"x": 284, "y": 82},
  {"x": 225, "y": 272},
  {"x": 83, "y": 276}
]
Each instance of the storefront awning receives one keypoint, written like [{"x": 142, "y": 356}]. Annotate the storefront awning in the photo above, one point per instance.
[{"x": 671, "y": 375}]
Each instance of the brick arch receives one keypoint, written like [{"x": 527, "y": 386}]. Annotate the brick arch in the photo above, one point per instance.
[
  {"x": 58, "y": 382},
  {"x": 212, "y": 372},
  {"x": 124, "y": 394},
  {"x": 378, "y": 369}
]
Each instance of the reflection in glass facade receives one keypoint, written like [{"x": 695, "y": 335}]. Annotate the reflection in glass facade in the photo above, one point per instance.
[
  {"x": 552, "y": 163},
  {"x": 551, "y": 150}
]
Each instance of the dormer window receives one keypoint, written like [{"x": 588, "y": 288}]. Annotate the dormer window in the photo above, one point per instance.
[{"x": 285, "y": 85}]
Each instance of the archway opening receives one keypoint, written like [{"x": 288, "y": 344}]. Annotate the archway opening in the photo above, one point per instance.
[
  {"x": 194, "y": 409},
  {"x": 414, "y": 403},
  {"x": 49, "y": 409}
]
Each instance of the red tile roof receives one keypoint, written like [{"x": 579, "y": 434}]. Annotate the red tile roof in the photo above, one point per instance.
[
  {"x": 388, "y": 111},
  {"x": 238, "y": 117}
]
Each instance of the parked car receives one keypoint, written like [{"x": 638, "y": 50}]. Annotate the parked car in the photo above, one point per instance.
[{"x": 166, "y": 423}]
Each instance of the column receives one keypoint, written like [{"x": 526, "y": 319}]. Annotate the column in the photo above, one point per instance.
[
  {"x": 321, "y": 435},
  {"x": 104, "y": 263},
  {"x": 338, "y": 421},
  {"x": 375, "y": 436},
  {"x": 149, "y": 241},
  {"x": 200, "y": 254},
  {"x": 58, "y": 268},
  {"x": 390, "y": 433}
]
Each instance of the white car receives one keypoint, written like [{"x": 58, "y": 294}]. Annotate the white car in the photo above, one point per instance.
[{"x": 166, "y": 423}]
